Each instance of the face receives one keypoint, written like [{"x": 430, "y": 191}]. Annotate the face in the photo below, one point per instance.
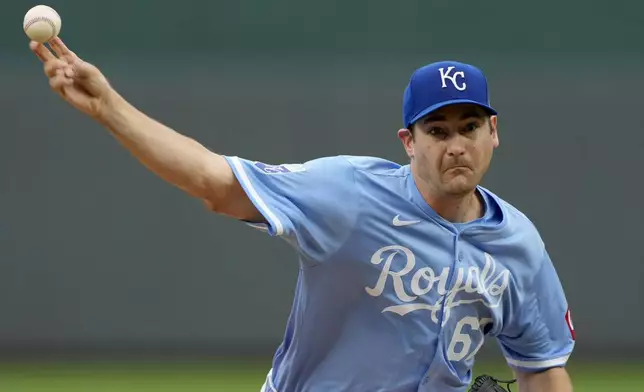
[{"x": 451, "y": 148}]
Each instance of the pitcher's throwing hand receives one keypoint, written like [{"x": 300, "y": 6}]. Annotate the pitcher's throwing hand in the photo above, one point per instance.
[{"x": 78, "y": 82}]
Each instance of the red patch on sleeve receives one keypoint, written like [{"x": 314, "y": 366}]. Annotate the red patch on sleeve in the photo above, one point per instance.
[{"x": 570, "y": 326}]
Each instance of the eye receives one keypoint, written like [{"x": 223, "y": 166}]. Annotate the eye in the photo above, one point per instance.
[
  {"x": 471, "y": 127},
  {"x": 437, "y": 132}
]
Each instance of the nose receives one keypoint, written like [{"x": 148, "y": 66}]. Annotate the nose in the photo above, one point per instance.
[{"x": 456, "y": 148}]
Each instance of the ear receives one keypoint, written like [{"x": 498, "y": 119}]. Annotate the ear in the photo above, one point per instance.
[
  {"x": 494, "y": 130},
  {"x": 407, "y": 139}
]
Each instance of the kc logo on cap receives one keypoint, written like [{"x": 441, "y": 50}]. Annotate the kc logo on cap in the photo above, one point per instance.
[{"x": 445, "y": 75}]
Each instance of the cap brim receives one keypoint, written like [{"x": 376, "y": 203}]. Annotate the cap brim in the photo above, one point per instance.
[{"x": 447, "y": 103}]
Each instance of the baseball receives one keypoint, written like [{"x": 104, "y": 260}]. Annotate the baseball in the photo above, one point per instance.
[{"x": 42, "y": 23}]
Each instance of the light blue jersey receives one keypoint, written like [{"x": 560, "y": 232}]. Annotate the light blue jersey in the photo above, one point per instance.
[{"x": 390, "y": 296}]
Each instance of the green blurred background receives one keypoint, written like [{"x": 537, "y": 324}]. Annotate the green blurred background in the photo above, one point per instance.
[
  {"x": 111, "y": 280},
  {"x": 244, "y": 376}
]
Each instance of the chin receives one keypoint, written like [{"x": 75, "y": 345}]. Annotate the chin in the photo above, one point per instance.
[
  {"x": 459, "y": 186},
  {"x": 462, "y": 191}
]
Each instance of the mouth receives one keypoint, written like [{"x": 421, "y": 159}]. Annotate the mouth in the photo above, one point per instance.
[{"x": 459, "y": 168}]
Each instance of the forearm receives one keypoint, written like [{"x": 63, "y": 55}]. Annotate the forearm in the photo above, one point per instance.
[
  {"x": 175, "y": 158},
  {"x": 553, "y": 380}
]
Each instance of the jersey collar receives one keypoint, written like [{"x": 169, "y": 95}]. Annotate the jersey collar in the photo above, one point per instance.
[{"x": 494, "y": 217}]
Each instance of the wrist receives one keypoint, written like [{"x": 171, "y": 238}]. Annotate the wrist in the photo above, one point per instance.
[{"x": 111, "y": 110}]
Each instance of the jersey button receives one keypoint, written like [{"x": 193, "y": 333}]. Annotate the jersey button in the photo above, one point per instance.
[{"x": 460, "y": 256}]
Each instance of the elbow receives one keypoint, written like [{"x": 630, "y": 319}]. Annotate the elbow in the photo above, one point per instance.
[
  {"x": 221, "y": 192},
  {"x": 222, "y": 206},
  {"x": 212, "y": 187},
  {"x": 234, "y": 203},
  {"x": 210, "y": 206},
  {"x": 213, "y": 199},
  {"x": 216, "y": 198}
]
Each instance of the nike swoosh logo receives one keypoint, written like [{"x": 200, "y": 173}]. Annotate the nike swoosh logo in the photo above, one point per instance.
[{"x": 398, "y": 222}]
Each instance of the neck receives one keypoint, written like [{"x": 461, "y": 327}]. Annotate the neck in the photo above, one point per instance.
[{"x": 453, "y": 208}]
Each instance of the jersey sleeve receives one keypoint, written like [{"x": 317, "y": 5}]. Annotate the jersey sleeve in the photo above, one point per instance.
[
  {"x": 313, "y": 205},
  {"x": 539, "y": 334}
]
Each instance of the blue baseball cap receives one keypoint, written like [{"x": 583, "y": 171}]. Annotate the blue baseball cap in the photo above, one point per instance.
[{"x": 444, "y": 83}]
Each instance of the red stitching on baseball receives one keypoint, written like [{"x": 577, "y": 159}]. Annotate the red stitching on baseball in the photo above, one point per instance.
[{"x": 41, "y": 19}]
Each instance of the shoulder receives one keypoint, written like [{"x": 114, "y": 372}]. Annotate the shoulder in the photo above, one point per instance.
[
  {"x": 514, "y": 218},
  {"x": 332, "y": 165},
  {"x": 330, "y": 168},
  {"x": 520, "y": 233},
  {"x": 353, "y": 168},
  {"x": 376, "y": 166}
]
